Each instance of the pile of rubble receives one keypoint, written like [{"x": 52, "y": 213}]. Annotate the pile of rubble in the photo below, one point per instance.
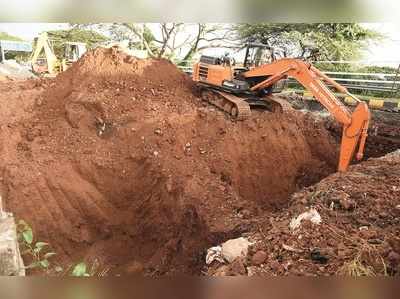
[
  {"x": 10, "y": 69},
  {"x": 347, "y": 224}
]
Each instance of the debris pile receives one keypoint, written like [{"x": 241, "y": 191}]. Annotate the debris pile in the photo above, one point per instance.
[
  {"x": 10, "y": 69},
  {"x": 352, "y": 227}
]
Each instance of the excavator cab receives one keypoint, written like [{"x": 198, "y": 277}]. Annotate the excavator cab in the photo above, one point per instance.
[
  {"x": 258, "y": 54},
  {"x": 225, "y": 73},
  {"x": 72, "y": 52}
]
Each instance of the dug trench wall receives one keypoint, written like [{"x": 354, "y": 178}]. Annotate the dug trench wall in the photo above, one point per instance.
[{"x": 118, "y": 159}]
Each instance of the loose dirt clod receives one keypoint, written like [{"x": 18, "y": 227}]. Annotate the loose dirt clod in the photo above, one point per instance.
[{"x": 79, "y": 164}]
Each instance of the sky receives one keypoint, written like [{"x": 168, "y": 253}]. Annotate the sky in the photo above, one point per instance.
[
  {"x": 386, "y": 52},
  {"x": 28, "y": 31}
]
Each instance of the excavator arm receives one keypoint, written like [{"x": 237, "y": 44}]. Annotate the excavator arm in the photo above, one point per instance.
[
  {"x": 43, "y": 43},
  {"x": 355, "y": 125}
]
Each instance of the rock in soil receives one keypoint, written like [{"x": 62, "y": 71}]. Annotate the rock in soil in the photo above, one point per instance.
[
  {"x": 234, "y": 249},
  {"x": 259, "y": 257}
]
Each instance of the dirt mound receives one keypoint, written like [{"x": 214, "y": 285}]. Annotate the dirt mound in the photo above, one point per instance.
[
  {"x": 117, "y": 159},
  {"x": 124, "y": 78},
  {"x": 359, "y": 229}
]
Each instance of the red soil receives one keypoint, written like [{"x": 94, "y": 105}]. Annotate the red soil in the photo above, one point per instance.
[
  {"x": 117, "y": 159},
  {"x": 359, "y": 232}
]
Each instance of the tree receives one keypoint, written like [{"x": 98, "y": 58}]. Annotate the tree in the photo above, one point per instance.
[
  {"x": 176, "y": 41},
  {"x": 11, "y": 54},
  {"x": 317, "y": 41},
  {"x": 6, "y": 36},
  {"x": 59, "y": 37}
]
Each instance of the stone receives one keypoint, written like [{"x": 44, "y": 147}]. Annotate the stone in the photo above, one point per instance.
[
  {"x": 134, "y": 268},
  {"x": 275, "y": 266},
  {"x": 394, "y": 258},
  {"x": 222, "y": 271},
  {"x": 347, "y": 204},
  {"x": 237, "y": 267},
  {"x": 259, "y": 257},
  {"x": 235, "y": 248},
  {"x": 251, "y": 271},
  {"x": 11, "y": 263}
]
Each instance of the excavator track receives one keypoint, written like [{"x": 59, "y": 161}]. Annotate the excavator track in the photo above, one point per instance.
[
  {"x": 236, "y": 107},
  {"x": 278, "y": 104}
]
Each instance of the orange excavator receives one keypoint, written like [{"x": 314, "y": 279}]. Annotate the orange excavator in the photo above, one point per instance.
[{"x": 236, "y": 89}]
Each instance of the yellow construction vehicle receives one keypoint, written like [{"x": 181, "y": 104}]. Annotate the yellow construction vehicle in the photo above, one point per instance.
[
  {"x": 236, "y": 89},
  {"x": 49, "y": 63}
]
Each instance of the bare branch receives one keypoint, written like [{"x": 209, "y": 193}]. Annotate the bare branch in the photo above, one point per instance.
[{"x": 134, "y": 30}]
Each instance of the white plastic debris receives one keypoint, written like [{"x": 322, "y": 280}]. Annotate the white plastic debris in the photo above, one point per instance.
[
  {"x": 235, "y": 248},
  {"x": 311, "y": 215},
  {"x": 291, "y": 248},
  {"x": 214, "y": 254}
]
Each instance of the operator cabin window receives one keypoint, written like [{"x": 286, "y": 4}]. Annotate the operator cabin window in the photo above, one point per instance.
[{"x": 260, "y": 56}]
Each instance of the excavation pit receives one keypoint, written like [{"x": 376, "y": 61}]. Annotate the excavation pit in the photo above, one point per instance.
[{"x": 166, "y": 180}]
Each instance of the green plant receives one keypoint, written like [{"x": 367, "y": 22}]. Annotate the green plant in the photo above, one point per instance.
[
  {"x": 83, "y": 269},
  {"x": 80, "y": 270},
  {"x": 39, "y": 252}
]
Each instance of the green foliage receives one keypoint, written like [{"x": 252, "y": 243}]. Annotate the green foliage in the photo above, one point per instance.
[
  {"x": 377, "y": 69},
  {"x": 356, "y": 68},
  {"x": 80, "y": 270},
  {"x": 6, "y": 36},
  {"x": 13, "y": 55},
  {"x": 318, "y": 41},
  {"x": 132, "y": 30},
  {"x": 38, "y": 252},
  {"x": 59, "y": 37},
  {"x": 85, "y": 269},
  {"x": 89, "y": 37}
]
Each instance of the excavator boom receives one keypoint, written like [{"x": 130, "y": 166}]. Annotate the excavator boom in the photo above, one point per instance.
[
  {"x": 43, "y": 43},
  {"x": 355, "y": 125}
]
